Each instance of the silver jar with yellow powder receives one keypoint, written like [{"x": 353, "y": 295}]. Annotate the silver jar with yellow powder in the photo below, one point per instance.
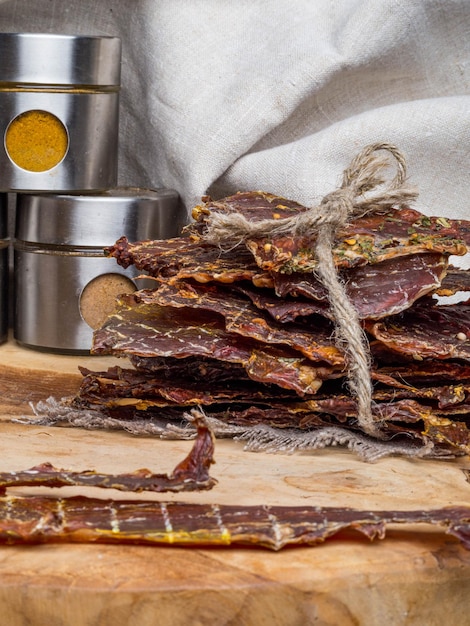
[
  {"x": 65, "y": 285},
  {"x": 59, "y": 112}
]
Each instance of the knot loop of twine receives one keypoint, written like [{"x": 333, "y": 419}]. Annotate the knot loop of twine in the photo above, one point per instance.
[{"x": 365, "y": 175}]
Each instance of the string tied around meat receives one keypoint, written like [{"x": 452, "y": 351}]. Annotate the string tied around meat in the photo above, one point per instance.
[{"x": 364, "y": 188}]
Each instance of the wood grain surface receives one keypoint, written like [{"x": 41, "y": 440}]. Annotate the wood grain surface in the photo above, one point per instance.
[{"x": 410, "y": 577}]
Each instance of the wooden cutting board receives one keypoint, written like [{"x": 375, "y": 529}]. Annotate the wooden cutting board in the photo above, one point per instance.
[{"x": 408, "y": 578}]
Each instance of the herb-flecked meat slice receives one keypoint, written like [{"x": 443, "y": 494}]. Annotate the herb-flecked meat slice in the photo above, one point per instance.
[
  {"x": 427, "y": 331},
  {"x": 243, "y": 318},
  {"x": 372, "y": 238},
  {"x": 148, "y": 331}
]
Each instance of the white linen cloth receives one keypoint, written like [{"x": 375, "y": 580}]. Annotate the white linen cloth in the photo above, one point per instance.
[{"x": 226, "y": 95}]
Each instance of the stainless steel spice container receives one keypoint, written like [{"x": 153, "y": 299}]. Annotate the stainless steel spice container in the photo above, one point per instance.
[
  {"x": 59, "y": 111},
  {"x": 64, "y": 284},
  {"x": 4, "y": 269}
]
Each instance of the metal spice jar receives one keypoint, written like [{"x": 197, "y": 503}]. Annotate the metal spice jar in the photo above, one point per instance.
[
  {"x": 65, "y": 286},
  {"x": 59, "y": 112}
]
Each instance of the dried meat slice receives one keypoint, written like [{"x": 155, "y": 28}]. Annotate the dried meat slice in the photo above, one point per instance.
[
  {"x": 191, "y": 474},
  {"x": 422, "y": 374},
  {"x": 372, "y": 238},
  {"x": 399, "y": 412},
  {"x": 181, "y": 257},
  {"x": 446, "y": 396},
  {"x": 127, "y": 387},
  {"x": 401, "y": 419},
  {"x": 190, "y": 369},
  {"x": 386, "y": 237},
  {"x": 456, "y": 280},
  {"x": 427, "y": 331},
  {"x": 243, "y": 318},
  {"x": 254, "y": 205},
  {"x": 151, "y": 331},
  {"x": 286, "y": 309},
  {"x": 375, "y": 291},
  {"x": 43, "y": 519}
]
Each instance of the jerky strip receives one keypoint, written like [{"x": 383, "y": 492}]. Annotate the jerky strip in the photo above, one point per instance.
[
  {"x": 36, "y": 520},
  {"x": 118, "y": 386},
  {"x": 286, "y": 309},
  {"x": 372, "y": 238},
  {"x": 404, "y": 418},
  {"x": 243, "y": 318},
  {"x": 427, "y": 331},
  {"x": 375, "y": 291},
  {"x": 455, "y": 280},
  {"x": 195, "y": 369},
  {"x": 445, "y": 396},
  {"x": 397, "y": 411},
  {"x": 423, "y": 374},
  {"x": 191, "y": 474},
  {"x": 174, "y": 259},
  {"x": 149, "y": 331},
  {"x": 126, "y": 387}
]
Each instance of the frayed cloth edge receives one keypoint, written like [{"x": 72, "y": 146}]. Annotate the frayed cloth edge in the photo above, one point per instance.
[{"x": 257, "y": 438}]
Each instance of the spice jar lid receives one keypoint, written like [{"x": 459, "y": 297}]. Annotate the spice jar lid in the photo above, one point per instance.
[
  {"x": 99, "y": 220},
  {"x": 50, "y": 59}
]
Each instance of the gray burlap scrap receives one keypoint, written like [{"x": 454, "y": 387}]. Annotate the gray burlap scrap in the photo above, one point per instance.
[{"x": 259, "y": 438}]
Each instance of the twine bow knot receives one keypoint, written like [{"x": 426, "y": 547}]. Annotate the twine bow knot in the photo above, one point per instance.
[{"x": 363, "y": 189}]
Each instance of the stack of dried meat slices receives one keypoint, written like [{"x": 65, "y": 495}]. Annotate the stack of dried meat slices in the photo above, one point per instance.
[{"x": 243, "y": 330}]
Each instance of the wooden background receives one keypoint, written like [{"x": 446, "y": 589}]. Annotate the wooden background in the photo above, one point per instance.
[{"x": 408, "y": 578}]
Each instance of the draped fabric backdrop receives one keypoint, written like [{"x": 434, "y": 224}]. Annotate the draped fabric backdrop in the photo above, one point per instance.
[{"x": 222, "y": 95}]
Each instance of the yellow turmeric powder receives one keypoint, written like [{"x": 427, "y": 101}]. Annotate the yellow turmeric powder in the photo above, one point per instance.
[{"x": 36, "y": 141}]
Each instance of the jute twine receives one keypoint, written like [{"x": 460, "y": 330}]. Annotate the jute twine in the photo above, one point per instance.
[{"x": 364, "y": 188}]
